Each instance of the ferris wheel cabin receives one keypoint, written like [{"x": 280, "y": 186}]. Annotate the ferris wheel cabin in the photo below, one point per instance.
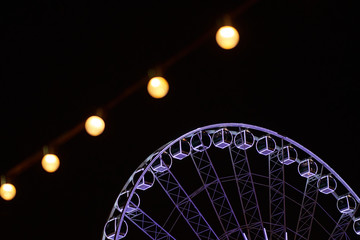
[
  {"x": 147, "y": 181},
  {"x": 327, "y": 184},
  {"x": 180, "y": 149},
  {"x": 110, "y": 229},
  {"x": 244, "y": 140},
  {"x": 200, "y": 141},
  {"x": 162, "y": 163},
  {"x": 133, "y": 204},
  {"x": 266, "y": 145},
  {"x": 346, "y": 204},
  {"x": 307, "y": 168},
  {"x": 356, "y": 226},
  {"x": 287, "y": 155},
  {"x": 222, "y": 138}
]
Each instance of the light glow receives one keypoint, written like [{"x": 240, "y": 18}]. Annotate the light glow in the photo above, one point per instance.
[
  {"x": 7, "y": 191},
  {"x": 227, "y": 37},
  {"x": 158, "y": 87},
  {"x": 94, "y": 126},
  {"x": 50, "y": 163}
]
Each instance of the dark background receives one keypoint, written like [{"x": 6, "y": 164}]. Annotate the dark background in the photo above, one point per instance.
[{"x": 294, "y": 72}]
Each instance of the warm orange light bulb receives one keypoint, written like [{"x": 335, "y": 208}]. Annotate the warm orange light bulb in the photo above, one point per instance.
[
  {"x": 158, "y": 87},
  {"x": 94, "y": 126},
  {"x": 50, "y": 163},
  {"x": 227, "y": 37},
  {"x": 7, "y": 191}
]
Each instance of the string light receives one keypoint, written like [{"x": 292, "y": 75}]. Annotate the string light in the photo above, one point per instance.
[
  {"x": 94, "y": 126},
  {"x": 7, "y": 191},
  {"x": 50, "y": 163},
  {"x": 227, "y": 37},
  {"x": 158, "y": 87}
]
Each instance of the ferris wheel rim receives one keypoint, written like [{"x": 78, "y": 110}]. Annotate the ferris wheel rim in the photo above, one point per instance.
[{"x": 271, "y": 132}]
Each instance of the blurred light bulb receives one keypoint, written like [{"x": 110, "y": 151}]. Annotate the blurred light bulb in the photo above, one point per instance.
[
  {"x": 227, "y": 37},
  {"x": 7, "y": 191},
  {"x": 158, "y": 87},
  {"x": 94, "y": 125},
  {"x": 50, "y": 163}
]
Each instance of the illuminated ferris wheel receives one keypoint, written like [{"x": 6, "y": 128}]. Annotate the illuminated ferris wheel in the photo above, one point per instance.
[{"x": 234, "y": 181}]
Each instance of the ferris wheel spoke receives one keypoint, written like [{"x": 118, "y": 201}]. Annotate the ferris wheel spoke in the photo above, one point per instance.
[
  {"x": 277, "y": 197},
  {"x": 146, "y": 224},
  {"x": 339, "y": 232},
  {"x": 247, "y": 193},
  {"x": 308, "y": 206},
  {"x": 178, "y": 216},
  {"x": 217, "y": 195},
  {"x": 185, "y": 206}
]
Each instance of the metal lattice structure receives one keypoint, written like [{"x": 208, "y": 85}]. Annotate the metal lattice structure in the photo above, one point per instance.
[
  {"x": 308, "y": 206},
  {"x": 234, "y": 181}
]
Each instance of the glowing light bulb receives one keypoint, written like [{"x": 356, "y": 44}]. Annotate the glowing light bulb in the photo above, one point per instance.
[
  {"x": 50, "y": 163},
  {"x": 7, "y": 191},
  {"x": 158, "y": 87},
  {"x": 94, "y": 126},
  {"x": 227, "y": 37}
]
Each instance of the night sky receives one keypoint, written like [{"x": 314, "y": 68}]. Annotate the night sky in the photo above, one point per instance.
[{"x": 295, "y": 71}]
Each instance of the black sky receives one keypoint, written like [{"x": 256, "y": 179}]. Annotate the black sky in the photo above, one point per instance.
[{"x": 294, "y": 72}]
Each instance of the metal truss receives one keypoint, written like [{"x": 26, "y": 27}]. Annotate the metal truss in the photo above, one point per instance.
[
  {"x": 339, "y": 232},
  {"x": 247, "y": 194},
  {"x": 308, "y": 206},
  {"x": 185, "y": 206},
  {"x": 217, "y": 195},
  {"x": 146, "y": 224},
  {"x": 277, "y": 198}
]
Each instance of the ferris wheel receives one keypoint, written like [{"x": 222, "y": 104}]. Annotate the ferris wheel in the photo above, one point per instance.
[{"x": 234, "y": 181}]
